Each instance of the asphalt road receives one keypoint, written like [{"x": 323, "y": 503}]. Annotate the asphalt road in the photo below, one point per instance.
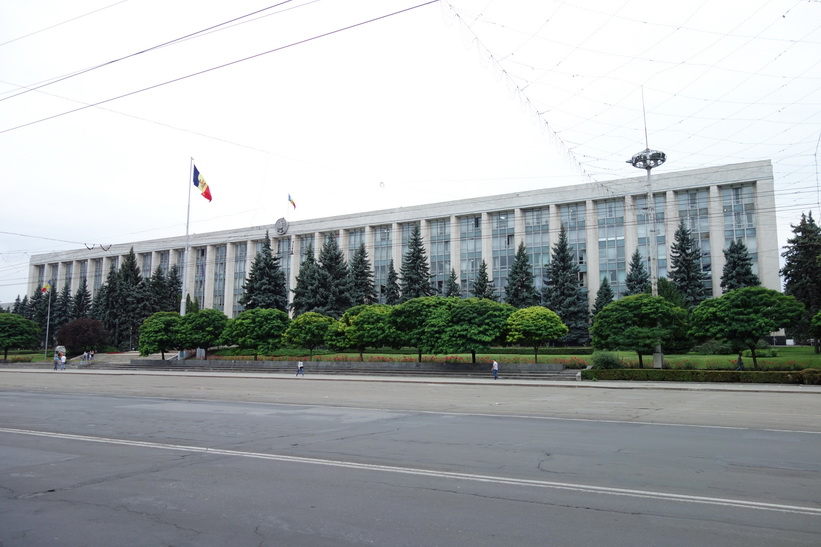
[{"x": 143, "y": 459}]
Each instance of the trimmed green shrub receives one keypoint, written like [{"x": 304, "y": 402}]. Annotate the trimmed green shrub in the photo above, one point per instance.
[
  {"x": 667, "y": 375},
  {"x": 713, "y": 347},
  {"x": 605, "y": 360}
]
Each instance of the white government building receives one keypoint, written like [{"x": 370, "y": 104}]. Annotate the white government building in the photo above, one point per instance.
[{"x": 605, "y": 223}]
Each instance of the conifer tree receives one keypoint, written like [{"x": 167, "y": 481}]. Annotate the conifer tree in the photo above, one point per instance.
[
  {"x": 452, "y": 285},
  {"x": 265, "y": 286},
  {"x": 638, "y": 280},
  {"x": 562, "y": 292},
  {"x": 361, "y": 278},
  {"x": 174, "y": 287},
  {"x": 131, "y": 303},
  {"x": 157, "y": 286},
  {"x": 483, "y": 286},
  {"x": 392, "y": 294},
  {"x": 415, "y": 270},
  {"x": 521, "y": 286},
  {"x": 312, "y": 283},
  {"x": 25, "y": 308},
  {"x": 802, "y": 272},
  {"x": 685, "y": 267},
  {"x": 603, "y": 297},
  {"x": 82, "y": 301},
  {"x": 332, "y": 261},
  {"x": 62, "y": 309},
  {"x": 738, "y": 268}
]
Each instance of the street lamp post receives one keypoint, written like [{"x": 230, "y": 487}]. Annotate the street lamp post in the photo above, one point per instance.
[{"x": 648, "y": 159}]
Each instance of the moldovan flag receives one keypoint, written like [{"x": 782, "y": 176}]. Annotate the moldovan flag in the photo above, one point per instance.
[
  {"x": 46, "y": 287},
  {"x": 292, "y": 201},
  {"x": 199, "y": 182}
]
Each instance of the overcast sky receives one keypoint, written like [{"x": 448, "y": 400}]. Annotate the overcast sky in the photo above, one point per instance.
[{"x": 349, "y": 108}]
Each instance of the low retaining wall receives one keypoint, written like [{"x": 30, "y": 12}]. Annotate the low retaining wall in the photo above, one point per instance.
[{"x": 322, "y": 366}]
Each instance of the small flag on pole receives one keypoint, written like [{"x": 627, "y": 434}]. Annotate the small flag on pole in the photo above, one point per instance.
[
  {"x": 46, "y": 287},
  {"x": 199, "y": 182},
  {"x": 292, "y": 201}
]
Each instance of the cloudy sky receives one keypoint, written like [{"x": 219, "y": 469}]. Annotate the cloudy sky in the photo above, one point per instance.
[{"x": 356, "y": 105}]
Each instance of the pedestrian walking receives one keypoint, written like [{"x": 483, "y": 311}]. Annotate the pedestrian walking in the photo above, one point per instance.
[
  {"x": 300, "y": 368},
  {"x": 739, "y": 365},
  {"x": 56, "y": 360},
  {"x": 495, "y": 369},
  {"x": 62, "y": 361}
]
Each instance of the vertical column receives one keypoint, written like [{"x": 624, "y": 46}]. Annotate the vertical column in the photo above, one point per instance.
[
  {"x": 518, "y": 228},
  {"x": 424, "y": 232},
  {"x": 396, "y": 246},
  {"x": 208, "y": 277},
  {"x": 344, "y": 238},
  {"x": 230, "y": 257},
  {"x": 555, "y": 224},
  {"x": 766, "y": 234},
  {"x": 631, "y": 231},
  {"x": 715, "y": 219},
  {"x": 455, "y": 247},
  {"x": 591, "y": 230},
  {"x": 671, "y": 222},
  {"x": 487, "y": 243}
]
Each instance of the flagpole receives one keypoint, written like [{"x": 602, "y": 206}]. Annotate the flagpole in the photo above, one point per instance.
[{"x": 185, "y": 252}]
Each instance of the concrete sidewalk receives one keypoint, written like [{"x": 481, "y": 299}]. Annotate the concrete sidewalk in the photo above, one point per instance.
[{"x": 673, "y": 386}]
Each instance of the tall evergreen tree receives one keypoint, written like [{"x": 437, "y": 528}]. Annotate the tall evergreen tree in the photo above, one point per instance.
[
  {"x": 669, "y": 291},
  {"x": 738, "y": 268},
  {"x": 452, "y": 285},
  {"x": 361, "y": 278},
  {"x": 157, "y": 286},
  {"x": 604, "y": 296},
  {"x": 25, "y": 307},
  {"x": 131, "y": 302},
  {"x": 16, "y": 307},
  {"x": 415, "y": 270},
  {"x": 392, "y": 294},
  {"x": 265, "y": 286},
  {"x": 685, "y": 267},
  {"x": 562, "y": 292},
  {"x": 332, "y": 261},
  {"x": 521, "y": 285},
  {"x": 38, "y": 308},
  {"x": 638, "y": 280},
  {"x": 82, "y": 301},
  {"x": 174, "y": 287},
  {"x": 63, "y": 309},
  {"x": 311, "y": 289},
  {"x": 483, "y": 286},
  {"x": 802, "y": 272}
]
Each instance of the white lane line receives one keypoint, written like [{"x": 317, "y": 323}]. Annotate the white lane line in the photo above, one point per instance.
[{"x": 727, "y": 502}]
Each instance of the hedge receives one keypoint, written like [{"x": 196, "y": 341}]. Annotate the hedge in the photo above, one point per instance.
[{"x": 807, "y": 376}]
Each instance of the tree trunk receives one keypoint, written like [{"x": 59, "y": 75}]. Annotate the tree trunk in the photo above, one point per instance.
[
  {"x": 641, "y": 362},
  {"x": 535, "y": 354},
  {"x": 473, "y": 355},
  {"x": 755, "y": 360},
  {"x": 420, "y": 355}
]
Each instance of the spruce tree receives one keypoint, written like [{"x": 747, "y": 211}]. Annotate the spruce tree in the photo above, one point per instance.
[
  {"x": 157, "y": 286},
  {"x": 265, "y": 286},
  {"x": 361, "y": 278},
  {"x": 638, "y": 280},
  {"x": 452, "y": 285},
  {"x": 392, "y": 294},
  {"x": 483, "y": 286},
  {"x": 332, "y": 261},
  {"x": 63, "y": 309},
  {"x": 604, "y": 296},
  {"x": 82, "y": 301},
  {"x": 174, "y": 286},
  {"x": 562, "y": 293},
  {"x": 131, "y": 303},
  {"x": 415, "y": 270},
  {"x": 312, "y": 283},
  {"x": 738, "y": 268},
  {"x": 802, "y": 272},
  {"x": 685, "y": 267},
  {"x": 521, "y": 286},
  {"x": 25, "y": 307}
]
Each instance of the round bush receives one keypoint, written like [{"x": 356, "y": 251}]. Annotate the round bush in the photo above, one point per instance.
[{"x": 606, "y": 360}]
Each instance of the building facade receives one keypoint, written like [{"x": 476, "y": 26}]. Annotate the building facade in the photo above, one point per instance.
[{"x": 605, "y": 223}]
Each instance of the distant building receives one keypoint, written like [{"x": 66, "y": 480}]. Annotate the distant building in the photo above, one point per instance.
[{"x": 605, "y": 223}]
